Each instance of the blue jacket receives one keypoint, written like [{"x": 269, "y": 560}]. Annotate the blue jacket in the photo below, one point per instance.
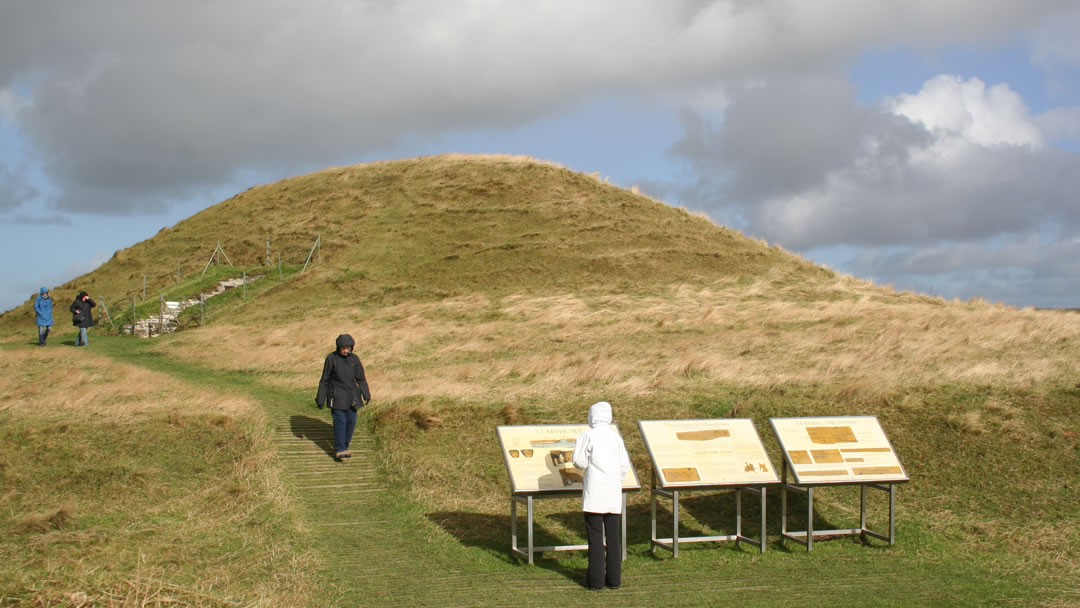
[{"x": 43, "y": 308}]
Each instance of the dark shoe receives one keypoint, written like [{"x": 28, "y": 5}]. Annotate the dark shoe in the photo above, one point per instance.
[
  {"x": 613, "y": 586},
  {"x": 346, "y": 454}
]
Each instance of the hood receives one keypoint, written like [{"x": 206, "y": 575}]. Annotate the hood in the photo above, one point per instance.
[
  {"x": 44, "y": 290},
  {"x": 600, "y": 413},
  {"x": 345, "y": 340},
  {"x": 81, "y": 294}
]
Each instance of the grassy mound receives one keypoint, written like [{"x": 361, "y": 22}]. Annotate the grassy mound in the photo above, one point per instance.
[{"x": 494, "y": 290}]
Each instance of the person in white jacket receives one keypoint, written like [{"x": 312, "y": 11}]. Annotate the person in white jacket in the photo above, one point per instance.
[{"x": 601, "y": 453}]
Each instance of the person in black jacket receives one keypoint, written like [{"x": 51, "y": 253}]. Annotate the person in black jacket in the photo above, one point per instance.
[
  {"x": 345, "y": 389},
  {"x": 81, "y": 316}
]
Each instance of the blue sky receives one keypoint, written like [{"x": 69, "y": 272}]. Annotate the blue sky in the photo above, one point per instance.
[{"x": 928, "y": 145}]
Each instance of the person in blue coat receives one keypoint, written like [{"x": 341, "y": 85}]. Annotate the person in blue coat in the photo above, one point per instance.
[{"x": 43, "y": 309}]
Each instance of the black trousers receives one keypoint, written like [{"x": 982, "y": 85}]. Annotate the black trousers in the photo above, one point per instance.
[{"x": 604, "y": 570}]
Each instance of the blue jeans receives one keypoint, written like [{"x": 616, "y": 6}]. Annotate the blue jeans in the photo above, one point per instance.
[
  {"x": 81, "y": 339},
  {"x": 42, "y": 333},
  {"x": 344, "y": 423}
]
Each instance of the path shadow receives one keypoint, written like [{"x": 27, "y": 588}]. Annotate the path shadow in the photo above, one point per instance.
[{"x": 319, "y": 432}]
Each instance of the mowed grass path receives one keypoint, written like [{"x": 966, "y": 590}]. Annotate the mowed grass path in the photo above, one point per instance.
[{"x": 380, "y": 548}]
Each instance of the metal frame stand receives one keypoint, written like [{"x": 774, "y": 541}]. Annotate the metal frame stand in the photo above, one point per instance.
[
  {"x": 527, "y": 500},
  {"x": 672, "y": 544},
  {"x": 806, "y": 537}
]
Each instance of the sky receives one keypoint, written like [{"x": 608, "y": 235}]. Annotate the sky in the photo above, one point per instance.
[{"x": 932, "y": 145}]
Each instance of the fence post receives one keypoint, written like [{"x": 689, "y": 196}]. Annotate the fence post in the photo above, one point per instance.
[
  {"x": 177, "y": 271},
  {"x": 311, "y": 253},
  {"x": 133, "y": 317},
  {"x": 202, "y": 310},
  {"x": 161, "y": 329},
  {"x": 210, "y": 261},
  {"x": 223, "y": 253},
  {"x": 318, "y": 243},
  {"x": 106, "y": 309},
  {"x": 268, "y": 262}
]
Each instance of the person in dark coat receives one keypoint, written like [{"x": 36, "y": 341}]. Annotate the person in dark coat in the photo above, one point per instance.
[
  {"x": 43, "y": 313},
  {"x": 81, "y": 316},
  {"x": 345, "y": 389}
]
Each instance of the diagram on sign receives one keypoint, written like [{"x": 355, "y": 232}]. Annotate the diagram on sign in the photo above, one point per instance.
[
  {"x": 837, "y": 449},
  {"x": 539, "y": 458},
  {"x": 711, "y": 452}
]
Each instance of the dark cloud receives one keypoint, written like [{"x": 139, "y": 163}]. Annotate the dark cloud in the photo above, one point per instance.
[
  {"x": 137, "y": 104},
  {"x": 50, "y": 219},
  {"x": 808, "y": 168},
  {"x": 1029, "y": 268},
  {"x": 15, "y": 190}
]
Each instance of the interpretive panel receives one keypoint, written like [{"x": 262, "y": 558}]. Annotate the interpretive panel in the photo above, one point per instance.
[
  {"x": 712, "y": 452},
  {"x": 539, "y": 458},
  {"x": 837, "y": 449}
]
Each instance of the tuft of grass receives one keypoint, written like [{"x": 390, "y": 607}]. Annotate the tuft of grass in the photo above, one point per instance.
[
  {"x": 424, "y": 417},
  {"x": 139, "y": 489},
  {"x": 44, "y": 522}
]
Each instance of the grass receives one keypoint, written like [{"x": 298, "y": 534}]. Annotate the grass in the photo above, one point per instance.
[
  {"x": 496, "y": 290},
  {"x": 122, "y": 486}
]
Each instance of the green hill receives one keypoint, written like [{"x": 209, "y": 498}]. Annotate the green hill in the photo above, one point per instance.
[
  {"x": 496, "y": 290},
  {"x": 442, "y": 226}
]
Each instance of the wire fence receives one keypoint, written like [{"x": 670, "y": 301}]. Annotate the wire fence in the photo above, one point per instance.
[{"x": 192, "y": 299}]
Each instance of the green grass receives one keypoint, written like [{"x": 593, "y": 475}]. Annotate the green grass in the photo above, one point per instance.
[
  {"x": 421, "y": 556},
  {"x": 118, "y": 509},
  {"x": 493, "y": 291}
]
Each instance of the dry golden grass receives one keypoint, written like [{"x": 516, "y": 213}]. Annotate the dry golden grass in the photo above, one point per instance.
[
  {"x": 59, "y": 380},
  {"x": 860, "y": 339},
  {"x": 121, "y": 424}
]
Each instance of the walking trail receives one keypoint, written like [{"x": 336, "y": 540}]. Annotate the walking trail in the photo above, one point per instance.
[{"x": 378, "y": 548}]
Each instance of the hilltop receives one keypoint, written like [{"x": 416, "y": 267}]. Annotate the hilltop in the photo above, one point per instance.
[{"x": 443, "y": 226}]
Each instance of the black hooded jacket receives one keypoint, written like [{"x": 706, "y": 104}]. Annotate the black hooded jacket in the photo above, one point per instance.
[
  {"x": 80, "y": 311},
  {"x": 343, "y": 384}
]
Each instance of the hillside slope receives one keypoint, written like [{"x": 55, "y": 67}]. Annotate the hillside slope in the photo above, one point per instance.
[
  {"x": 490, "y": 290},
  {"x": 440, "y": 226}
]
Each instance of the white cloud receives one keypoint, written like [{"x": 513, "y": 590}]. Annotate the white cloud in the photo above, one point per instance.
[
  {"x": 955, "y": 161},
  {"x": 957, "y": 180},
  {"x": 948, "y": 105}
]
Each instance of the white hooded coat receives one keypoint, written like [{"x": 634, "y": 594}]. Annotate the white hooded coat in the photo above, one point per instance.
[{"x": 601, "y": 453}]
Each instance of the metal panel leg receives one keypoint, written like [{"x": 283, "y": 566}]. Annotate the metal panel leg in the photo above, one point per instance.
[
  {"x": 513, "y": 525},
  {"x": 675, "y": 518},
  {"x": 761, "y": 534},
  {"x": 738, "y": 515},
  {"x": 892, "y": 513},
  {"x": 783, "y": 503},
  {"x": 624, "y": 526},
  {"x": 652, "y": 517},
  {"x": 862, "y": 511},
  {"x": 809, "y": 519},
  {"x": 530, "y": 509}
]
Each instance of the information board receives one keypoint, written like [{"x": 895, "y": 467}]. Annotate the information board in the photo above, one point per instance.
[
  {"x": 837, "y": 449},
  {"x": 711, "y": 452},
  {"x": 539, "y": 458}
]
